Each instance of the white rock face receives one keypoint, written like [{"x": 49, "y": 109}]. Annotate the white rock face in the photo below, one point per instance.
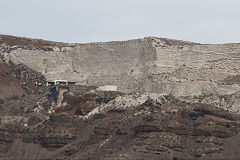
[
  {"x": 66, "y": 49},
  {"x": 56, "y": 49},
  {"x": 149, "y": 65},
  {"x": 107, "y": 88},
  {"x": 194, "y": 69}
]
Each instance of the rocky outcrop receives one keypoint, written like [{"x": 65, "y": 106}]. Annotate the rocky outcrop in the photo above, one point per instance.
[
  {"x": 89, "y": 124},
  {"x": 82, "y": 103},
  {"x": 195, "y": 69}
]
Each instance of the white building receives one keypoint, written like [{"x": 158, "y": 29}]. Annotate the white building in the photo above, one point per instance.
[
  {"x": 58, "y": 82},
  {"x": 107, "y": 88}
]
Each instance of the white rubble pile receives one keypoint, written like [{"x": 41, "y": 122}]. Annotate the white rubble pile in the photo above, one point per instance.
[{"x": 125, "y": 101}]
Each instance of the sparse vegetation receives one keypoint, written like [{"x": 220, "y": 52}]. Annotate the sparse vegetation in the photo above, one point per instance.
[
  {"x": 202, "y": 96},
  {"x": 1, "y": 56},
  {"x": 24, "y": 87},
  {"x": 21, "y": 41},
  {"x": 14, "y": 70},
  {"x": 1, "y": 101},
  {"x": 12, "y": 65},
  {"x": 13, "y": 97}
]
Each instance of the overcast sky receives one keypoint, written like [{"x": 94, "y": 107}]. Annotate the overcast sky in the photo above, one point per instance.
[{"x": 204, "y": 21}]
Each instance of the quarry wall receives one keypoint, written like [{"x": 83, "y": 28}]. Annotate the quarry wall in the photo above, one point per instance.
[{"x": 143, "y": 65}]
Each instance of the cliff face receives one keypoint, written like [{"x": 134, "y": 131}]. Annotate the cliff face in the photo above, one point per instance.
[
  {"x": 142, "y": 65},
  {"x": 194, "y": 69},
  {"x": 187, "y": 108}
]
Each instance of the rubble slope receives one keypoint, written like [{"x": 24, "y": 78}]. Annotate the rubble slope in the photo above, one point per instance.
[{"x": 91, "y": 124}]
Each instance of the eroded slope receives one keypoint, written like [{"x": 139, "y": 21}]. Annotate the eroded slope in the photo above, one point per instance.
[{"x": 125, "y": 126}]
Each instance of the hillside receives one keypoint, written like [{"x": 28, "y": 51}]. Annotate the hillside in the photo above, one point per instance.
[
  {"x": 175, "y": 100},
  {"x": 9, "y": 85},
  {"x": 22, "y": 41},
  {"x": 152, "y": 65}
]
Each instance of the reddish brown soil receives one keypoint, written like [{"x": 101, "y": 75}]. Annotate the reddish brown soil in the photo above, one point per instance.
[
  {"x": 9, "y": 84},
  {"x": 22, "y": 41},
  {"x": 79, "y": 105}
]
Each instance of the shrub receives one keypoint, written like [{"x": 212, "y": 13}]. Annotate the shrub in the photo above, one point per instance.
[{"x": 1, "y": 101}]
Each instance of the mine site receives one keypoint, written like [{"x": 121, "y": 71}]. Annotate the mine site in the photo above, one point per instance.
[
  {"x": 119, "y": 80},
  {"x": 150, "y": 98}
]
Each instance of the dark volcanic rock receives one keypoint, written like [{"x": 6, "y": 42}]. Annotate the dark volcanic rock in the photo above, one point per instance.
[{"x": 166, "y": 128}]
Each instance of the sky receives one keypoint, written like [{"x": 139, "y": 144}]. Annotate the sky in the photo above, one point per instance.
[{"x": 81, "y": 21}]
